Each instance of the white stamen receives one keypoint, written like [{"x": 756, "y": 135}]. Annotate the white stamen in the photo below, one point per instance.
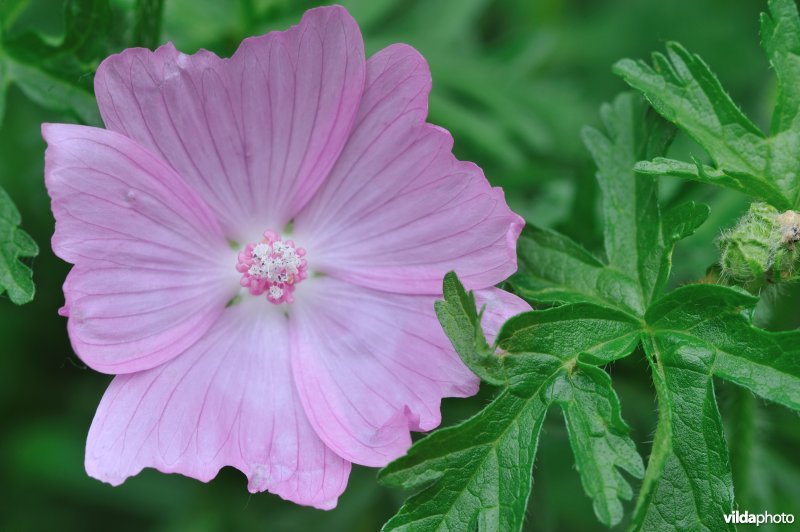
[
  {"x": 275, "y": 292},
  {"x": 272, "y": 266},
  {"x": 277, "y": 262},
  {"x": 261, "y": 251}
]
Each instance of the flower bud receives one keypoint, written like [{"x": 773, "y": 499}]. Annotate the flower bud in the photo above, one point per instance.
[{"x": 761, "y": 248}]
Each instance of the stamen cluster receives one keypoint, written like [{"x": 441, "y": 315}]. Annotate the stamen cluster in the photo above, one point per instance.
[{"x": 272, "y": 267}]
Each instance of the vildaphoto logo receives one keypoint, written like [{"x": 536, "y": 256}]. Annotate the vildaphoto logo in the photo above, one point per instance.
[{"x": 746, "y": 518}]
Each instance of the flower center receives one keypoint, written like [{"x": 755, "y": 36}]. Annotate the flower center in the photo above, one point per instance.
[{"x": 272, "y": 267}]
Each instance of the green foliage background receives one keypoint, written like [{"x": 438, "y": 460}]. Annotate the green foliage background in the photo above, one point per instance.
[{"x": 514, "y": 80}]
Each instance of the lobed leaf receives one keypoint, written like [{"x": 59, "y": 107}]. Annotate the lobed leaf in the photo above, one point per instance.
[
  {"x": 767, "y": 363},
  {"x": 688, "y": 484},
  {"x": 600, "y": 440},
  {"x": 694, "y": 171},
  {"x": 682, "y": 88},
  {"x": 478, "y": 473},
  {"x": 462, "y": 323},
  {"x": 596, "y": 334},
  {"x": 555, "y": 269},
  {"x": 632, "y": 222},
  {"x": 682, "y": 221},
  {"x": 16, "y": 279}
]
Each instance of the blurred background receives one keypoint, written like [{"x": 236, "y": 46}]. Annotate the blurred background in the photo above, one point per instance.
[{"x": 514, "y": 80}]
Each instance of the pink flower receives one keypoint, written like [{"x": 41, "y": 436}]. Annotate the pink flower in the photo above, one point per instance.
[{"x": 234, "y": 343}]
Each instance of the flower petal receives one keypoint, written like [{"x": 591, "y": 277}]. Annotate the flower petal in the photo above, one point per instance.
[
  {"x": 399, "y": 210},
  {"x": 150, "y": 257},
  {"x": 370, "y": 366},
  {"x": 254, "y": 135},
  {"x": 228, "y": 400},
  {"x": 498, "y": 306}
]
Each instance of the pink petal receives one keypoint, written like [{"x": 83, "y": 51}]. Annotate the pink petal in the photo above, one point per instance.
[
  {"x": 254, "y": 135},
  {"x": 498, "y": 305},
  {"x": 370, "y": 366},
  {"x": 151, "y": 260},
  {"x": 399, "y": 210},
  {"x": 229, "y": 400}
]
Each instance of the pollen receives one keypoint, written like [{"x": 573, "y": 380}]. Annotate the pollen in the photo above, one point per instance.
[{"x": 272, "y": 267}]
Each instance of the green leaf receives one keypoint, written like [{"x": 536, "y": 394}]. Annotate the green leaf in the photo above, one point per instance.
[
  {"x": 695, "y": 171},
  {"x": 597, "y": 334},
  {"x": 599, "y": 439},
  {"x": 688, "y": 484},
  {"x": 462, "y": 324},
  {"x": 767, "y": 363},
  {"x": 780, "y": 34},
  {"x": 632, "y": 222},
  {"x": 52, "y": 92},
  {"x": 695, "y": 332},
  {"x": 478, "y": 473},
  {"x": 682, "y": 221},
  {"x": 698, "y": 331},
  {"x": 59, "y": 77},
  {"x": 554, "y": 269},
  {"x": 15, "y": 277},
  {"x": 682, "y": 88}
]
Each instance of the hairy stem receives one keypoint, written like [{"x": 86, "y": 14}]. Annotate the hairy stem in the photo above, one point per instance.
[{"x": 661, "y": 442}]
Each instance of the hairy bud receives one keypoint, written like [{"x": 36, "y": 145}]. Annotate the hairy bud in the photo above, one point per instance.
[{"x": 761, "y": 248}]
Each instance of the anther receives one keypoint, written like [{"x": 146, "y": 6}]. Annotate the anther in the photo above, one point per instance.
[{"x": 273, "y": 267}]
